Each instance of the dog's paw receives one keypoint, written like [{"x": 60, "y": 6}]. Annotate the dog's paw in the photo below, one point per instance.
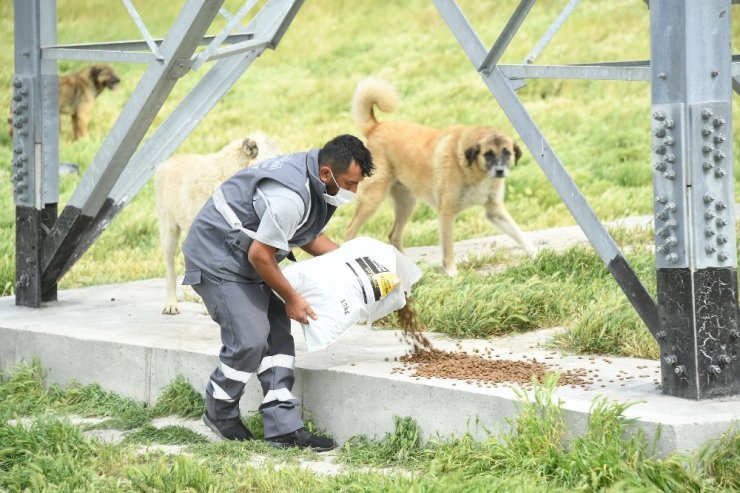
[
  {"x": 250, "y": 148},
  {"x": 171, "y": 310}
]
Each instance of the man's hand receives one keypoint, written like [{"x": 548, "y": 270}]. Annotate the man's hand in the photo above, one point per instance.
[
  {"x": 262, "y": 258},
  {"x": 299, "y": 310}
]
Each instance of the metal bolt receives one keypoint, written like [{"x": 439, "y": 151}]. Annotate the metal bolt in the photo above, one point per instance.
[
  {"x": 709, "y": 214},
  {"x": 719, "y": 172},
  {"x": 707, "y": 131},
  {"x": 17, "y": 83},
  {"x": 671, "y": 240},
  {"x": 707, "y": 148},
  {"x": 714, "y": 370},
  {"x": 709, "y": 232},
  {"x": 23, "y": 197},
  {"x": 710, "y": 249},
  {"x": 661, "y": 199},
  {"x": 722, "y": 239},
  {"x": 660, "y": 149},
  {"x": 707, "y": 113},
  {"x": 722, "y": 256},
  {"x": 679, "y": 370},
  {"x": 708, "y": 165},
  {"x": 659, "y": 115},
  {"x": 18, "y": 150},
  {"x": 661, "y": 166},
  {"x": 671, "y": 223},
  {"x": 660, "y": 132},
  {"x": 715, "y": 73},
  {"x": 670, "y": 206},
  {"x": 708, "y": 197},
  {"x": 664, "y": 232},
  {"x": 719, "y": 121},
  {"x": 667, "y": 123},
  {"x": 721, "y": 221},
  {"x": 669, "y": 175},
  {"x": 669, "y": 157},
  {"x": 662, "y": 76},
  {"x": 661, "y": 215},
  {"x": 721, "y": 204},
  {"x": 661, "y": 248},
  {"x": 671, "y": 257},
  {"x": 661, "y": 335},
  {"x": 669, "y": 141},
  {"x": 719, "y": 156},
  {"x": 719, "y": 138},
  {"x": 671, "y": 359},
  {"x": 724, "y": 359}
]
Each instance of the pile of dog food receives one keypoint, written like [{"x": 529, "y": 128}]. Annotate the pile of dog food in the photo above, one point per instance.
[{"x": 479, "y": 367}]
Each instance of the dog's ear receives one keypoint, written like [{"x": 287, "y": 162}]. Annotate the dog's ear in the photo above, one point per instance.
[
  {"x": 517, "y": 153},
  {"x": 471, "y": 153}
]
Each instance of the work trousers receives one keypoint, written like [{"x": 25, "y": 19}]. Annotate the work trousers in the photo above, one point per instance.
[{"x": 255, "y": 333}]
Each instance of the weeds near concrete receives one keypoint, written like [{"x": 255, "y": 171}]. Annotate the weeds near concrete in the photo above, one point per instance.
[
  {"x": 47, "y": 453},
  {"x": 179, "y": 398}
]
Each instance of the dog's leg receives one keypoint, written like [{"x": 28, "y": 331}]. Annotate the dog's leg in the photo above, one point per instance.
[
  {"x": 79, "y": 126},
  {"x": 169, "y": 236},
  {"x": 498, "y": 215},
  {"x": 404, "y": 204},
  {"x": 369, "y": 197},
  {"x": 446, "y": 220}
]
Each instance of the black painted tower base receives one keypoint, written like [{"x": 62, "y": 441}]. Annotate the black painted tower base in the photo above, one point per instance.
[
  {"x": 699, "y": 338},
  {"x": 31, "y": 228}
]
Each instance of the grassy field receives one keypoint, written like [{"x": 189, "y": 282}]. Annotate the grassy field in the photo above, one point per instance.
[
  {"x": 301, "y": 94},
  {"x": 46, "y": 452}
]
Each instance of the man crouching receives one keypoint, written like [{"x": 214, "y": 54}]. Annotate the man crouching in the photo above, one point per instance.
[{"x": 231, "y": 260}]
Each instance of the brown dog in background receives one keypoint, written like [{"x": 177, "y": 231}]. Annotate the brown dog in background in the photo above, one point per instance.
[
  {"x": 77, "y": 93},
  {"x": 450, "y": 169},
  {"x": 184, "y": 182}
]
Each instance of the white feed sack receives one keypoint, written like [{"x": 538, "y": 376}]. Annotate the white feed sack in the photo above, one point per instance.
[{"x": 361, "y": 281}]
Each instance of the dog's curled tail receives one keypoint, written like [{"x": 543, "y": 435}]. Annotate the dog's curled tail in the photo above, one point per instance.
[{"x": 371, "y": 92}]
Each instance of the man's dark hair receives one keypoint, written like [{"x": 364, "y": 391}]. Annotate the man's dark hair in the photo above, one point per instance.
[{"x": 340, "y": 151}]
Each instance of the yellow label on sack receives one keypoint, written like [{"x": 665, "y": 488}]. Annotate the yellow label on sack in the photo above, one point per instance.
[{"x": 387, "y": 281}]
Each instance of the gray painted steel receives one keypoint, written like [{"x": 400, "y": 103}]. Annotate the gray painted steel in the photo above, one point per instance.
[
  {"x": 696, "y": 251},
  {"x": 126, "y": 134},
  {"x": 35, "y": 147},
  {"x": 506, "y": 36},
  {"x": 270, "y": 23},
  {"x": 691, "y": 77},
  {"x": 551, "y": 31},
  {"x": 551, "y": 165},
  {"x": 692, "y": 134}
]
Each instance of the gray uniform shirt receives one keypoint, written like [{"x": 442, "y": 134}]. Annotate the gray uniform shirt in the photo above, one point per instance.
[{"x": 281, "y": 212}]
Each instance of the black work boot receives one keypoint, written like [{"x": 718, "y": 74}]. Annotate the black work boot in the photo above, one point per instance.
[
  {"x": 228, "y": 429},
  {"x": 302, "y": 438}
]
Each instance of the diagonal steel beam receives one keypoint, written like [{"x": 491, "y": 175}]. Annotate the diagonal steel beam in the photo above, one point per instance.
[
  {"x": 551, "y": 31},
  {"x": 553, "y": 168},
  {"x": 126, "y": 134},
  {"x": 269, "y": 23},
  {"x": 498, "y": 48}
]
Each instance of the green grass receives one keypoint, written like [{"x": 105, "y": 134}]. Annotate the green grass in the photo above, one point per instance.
[{"x": 534, "y": 453}]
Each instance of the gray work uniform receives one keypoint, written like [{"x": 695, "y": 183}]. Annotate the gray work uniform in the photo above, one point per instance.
[{"x": 255, "y": 329}]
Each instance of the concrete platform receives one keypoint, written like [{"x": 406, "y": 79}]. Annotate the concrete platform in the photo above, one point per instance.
[{"x": 117, "y": 337}]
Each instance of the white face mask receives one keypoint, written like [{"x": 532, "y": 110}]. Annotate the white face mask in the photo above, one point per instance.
[{"x": 343, "y": 196}]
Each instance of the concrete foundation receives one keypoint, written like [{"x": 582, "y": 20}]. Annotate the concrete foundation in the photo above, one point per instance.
[{"x": 116, "y": 336}]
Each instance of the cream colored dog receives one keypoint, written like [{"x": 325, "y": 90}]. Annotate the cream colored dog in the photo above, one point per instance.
[
  {"x": 183, "y": 183},
  {"x": 450, "y": 169}
]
